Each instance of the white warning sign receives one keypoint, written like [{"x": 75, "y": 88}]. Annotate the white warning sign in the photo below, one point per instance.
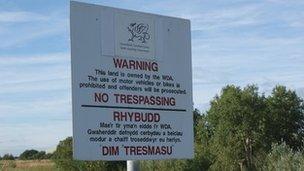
[{"x": 131, "y": 85}]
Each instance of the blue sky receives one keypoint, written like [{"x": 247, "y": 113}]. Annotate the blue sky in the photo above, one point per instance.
[{"x": 233, "y": 42}]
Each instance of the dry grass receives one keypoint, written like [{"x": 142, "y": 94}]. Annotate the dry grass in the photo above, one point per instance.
[{"x": 27, "y": 165}]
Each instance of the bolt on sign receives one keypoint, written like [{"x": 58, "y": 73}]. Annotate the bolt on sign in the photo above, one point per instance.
[{"x": 131, "y": 84}]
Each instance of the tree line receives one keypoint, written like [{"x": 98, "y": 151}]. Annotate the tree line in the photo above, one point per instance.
[
  {"x": 28, "y": 155},
  {"x": 243, "y": 130}
]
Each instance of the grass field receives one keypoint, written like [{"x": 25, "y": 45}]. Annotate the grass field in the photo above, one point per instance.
[{"x": 27, "y": 165}]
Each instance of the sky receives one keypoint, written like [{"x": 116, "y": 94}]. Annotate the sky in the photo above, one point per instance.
[{"x": 233, "y": 42}]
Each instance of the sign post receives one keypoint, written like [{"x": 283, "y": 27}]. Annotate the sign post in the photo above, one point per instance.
[
  {"x": 133, "y": 165},
  {"x": 131, "y": 85}
]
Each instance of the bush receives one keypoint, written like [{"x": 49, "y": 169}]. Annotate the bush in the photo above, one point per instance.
[
  {"x": 282, "y": 157},
  {"x": 8, "y": 157}
]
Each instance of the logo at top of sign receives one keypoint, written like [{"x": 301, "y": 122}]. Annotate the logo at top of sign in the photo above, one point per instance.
[{"x": 139, "y": 31}]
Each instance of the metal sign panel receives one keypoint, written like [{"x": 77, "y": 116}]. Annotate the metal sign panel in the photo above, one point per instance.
[{"x": 131, "y": 84}]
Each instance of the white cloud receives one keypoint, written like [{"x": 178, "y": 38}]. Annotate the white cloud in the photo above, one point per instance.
[
  {"x": 35, "y": 101},
  {"x": 41, "y": 136},
  {"x": 287, "y": 1},
  {"x": 29, "y": 73},
  {"x": 37, "y": 26},
  {"x": 41, "y": 59},
  {"x": 21, "y": 16},
  {"x": 35, "y": 86},
  {"x": 222, "y": 17},
  {"x": 249, "y": 60},
  {"x": 53, "y": 108}
]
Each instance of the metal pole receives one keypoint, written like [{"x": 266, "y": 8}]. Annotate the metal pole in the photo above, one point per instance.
[{"x": 133, "y": 165}]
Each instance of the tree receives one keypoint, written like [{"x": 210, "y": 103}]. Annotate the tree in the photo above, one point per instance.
[
  {"x": 8, "y": 157},
  {"x": 236, "y": 126},
  {"x": 63, "y": 158},
  {"x": 285, "y": 121},
  {"x": 243, "y": 125},
  {"x": 28, "y": 154},
  {"x": 39, "y": 156},
  {"x": 196, "y": 118},
  {"x": 202, "y": 155},
  {"x": 48, "y": 155},
  {"x": 32, "y": 155}
]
